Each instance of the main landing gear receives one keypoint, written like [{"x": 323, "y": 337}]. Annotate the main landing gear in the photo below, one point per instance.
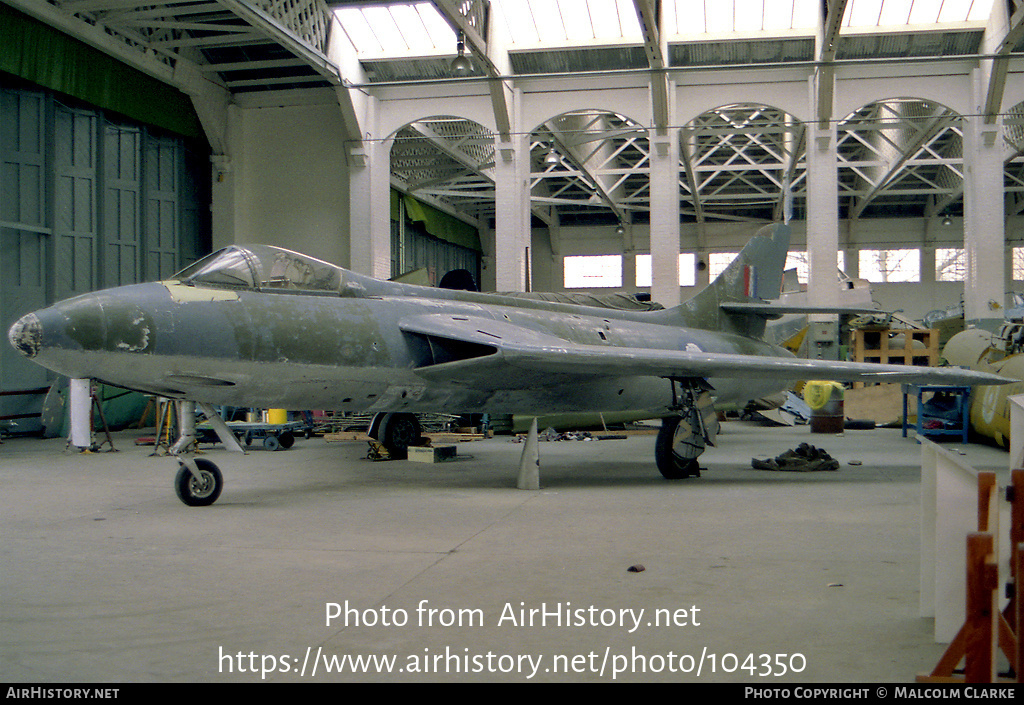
[
  {"x": 397, "y": 432},
  {"x": 683, "y": 438}
]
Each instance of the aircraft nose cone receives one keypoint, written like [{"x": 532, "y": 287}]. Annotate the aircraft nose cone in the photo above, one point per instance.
[{"x": 26, "y": 335}]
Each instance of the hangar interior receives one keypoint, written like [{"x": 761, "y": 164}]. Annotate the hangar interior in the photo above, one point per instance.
[
  {"x": 609, "y": 145},
  {"x": 595, "y": 145}
]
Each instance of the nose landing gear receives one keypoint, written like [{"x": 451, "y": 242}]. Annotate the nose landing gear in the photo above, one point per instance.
[{"x": 198, "y": 482}]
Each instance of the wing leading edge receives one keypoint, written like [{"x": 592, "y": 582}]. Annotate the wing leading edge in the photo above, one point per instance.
[
  {"x": 504, "y": 355},
  {"x": 596, "y": 360},
  {"x": 773, "y": 310}
]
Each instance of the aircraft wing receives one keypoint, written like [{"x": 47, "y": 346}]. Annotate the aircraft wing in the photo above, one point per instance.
[
  {"x": 772, "y": 310},
  {"x": 678, "y": 363},
  {"x": 497, "y": 354}
]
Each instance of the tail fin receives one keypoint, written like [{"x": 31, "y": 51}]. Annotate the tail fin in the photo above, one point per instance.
[{"x": 754, "y": 276}]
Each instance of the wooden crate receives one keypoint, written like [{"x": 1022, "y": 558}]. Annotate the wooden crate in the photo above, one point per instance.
[
  {"x": 433, "y": 454},
  {"x": 919, "y": 346}
]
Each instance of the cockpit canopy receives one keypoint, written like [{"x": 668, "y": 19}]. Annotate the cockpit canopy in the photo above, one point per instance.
[{"x": 263, "y": 267}]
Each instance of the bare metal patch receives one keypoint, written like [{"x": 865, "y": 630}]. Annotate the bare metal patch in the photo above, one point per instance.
[
  {"x": 181, "y": 293},
  {"x": 26, "y": 335},
  {"x": 140, "y": 334}
]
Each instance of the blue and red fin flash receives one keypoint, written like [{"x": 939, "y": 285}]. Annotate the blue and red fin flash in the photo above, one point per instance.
[{"x": 750, "y": 281}]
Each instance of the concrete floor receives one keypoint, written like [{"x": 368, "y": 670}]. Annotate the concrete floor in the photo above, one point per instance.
[{"x": 106, "y": 576}]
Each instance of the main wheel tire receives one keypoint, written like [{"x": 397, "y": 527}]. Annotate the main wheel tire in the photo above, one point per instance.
[
  {"x": 670, "y": 465},
  {"x": 398, "y": 432},
  {"x": 198, "y": 491},
  {"x": 286, "y": 439}
]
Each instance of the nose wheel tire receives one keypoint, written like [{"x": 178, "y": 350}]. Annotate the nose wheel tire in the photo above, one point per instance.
[{"x": 198, "y": 490}]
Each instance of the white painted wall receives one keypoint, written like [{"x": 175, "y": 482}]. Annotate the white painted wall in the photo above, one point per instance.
[
  {"x": 289, "y": 183},
  {"x": 292, "y": 186},
  {"x": 915, "y": 299}
]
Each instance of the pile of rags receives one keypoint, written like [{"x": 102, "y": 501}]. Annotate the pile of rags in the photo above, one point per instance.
[{"x": 804, "y": 458}]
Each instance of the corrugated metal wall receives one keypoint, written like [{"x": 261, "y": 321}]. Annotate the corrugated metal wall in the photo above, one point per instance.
[
  {"x": 412, "y": 248},
  {"x": 439, "y": 257},
  {"x": 88, "y": 200}
]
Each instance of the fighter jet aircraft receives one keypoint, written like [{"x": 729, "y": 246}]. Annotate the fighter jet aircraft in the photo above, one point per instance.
[{"x": 259, "y": 326}]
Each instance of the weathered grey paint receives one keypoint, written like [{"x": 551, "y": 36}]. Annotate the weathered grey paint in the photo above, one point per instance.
[{"x": 329, "y": 338}]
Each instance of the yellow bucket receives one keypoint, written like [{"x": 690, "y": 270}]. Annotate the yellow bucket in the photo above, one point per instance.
[
  {"x": 818, "y": 393},
  {"x": 826, "y": 402},
  {"x": 277, "y": 416}
]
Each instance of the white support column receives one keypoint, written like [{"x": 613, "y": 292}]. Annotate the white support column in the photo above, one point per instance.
[
  {"x": 370, "y": 205},
  {"x": 525, "y": 206},
  {"x": 226, "y": 201},
  {"x": 822, "y": 226},
  {"x": 509, "y": 240},
  {"x": 928, "y": 251},
  {"x": 80, "y": 410},
  {"x": 984, "y": 220},
  {"x": 512, "y": 207},
  {"x": 822, "y": 217},
  {"x": 664, "y": 159},
  {"x": 488, "y": 240},
  {"x": 628, "y": 259},
  {"x": 222, "y": 201}
]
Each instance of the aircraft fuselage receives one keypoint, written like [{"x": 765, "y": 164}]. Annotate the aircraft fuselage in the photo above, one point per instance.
[{"x": 302, "y": 350}]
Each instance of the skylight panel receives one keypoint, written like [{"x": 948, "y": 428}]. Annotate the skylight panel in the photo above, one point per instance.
[
  {"x": 522, "y": 26},
  {"x": 805, "y": 14},
  {"x": 980, "y": 11},
  {"x": 629, "y": 21},
  {"x": 358, "y": 30},
  {"x": 384, "y": 26},
  {"x": 559, "y": 23},
  {"x": 549, "y": 24},
  {"x": 416, "y": 27},
  {"x": 604, "y": 15},
  {"x": 954, "y": 10},
  {"x": 748, "y": 15},
  {"x": 399, "y": 29},
  {"x": 719, "y": 17},
  {"x": 410, "y": 27},
  {"x": 864, "y": 13},
  {"x": 689, "y": 16},
  {"x": 925, "y": 12},
  {"x": 577, "y": 20},
  {"x": 779, "y": 14},
  {"x": 914, "y": 13},
  {"x": 441, "y": 34},
  {"x": 895, "y": 13}
]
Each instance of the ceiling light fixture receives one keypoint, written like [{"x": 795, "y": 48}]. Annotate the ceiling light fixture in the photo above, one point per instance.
[
  {"x": 947, "y": 220},
  {"x": 620, "y": 230},
  {"x": 461, "y": 65},
  {"x": 552, "y": 158}
]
